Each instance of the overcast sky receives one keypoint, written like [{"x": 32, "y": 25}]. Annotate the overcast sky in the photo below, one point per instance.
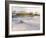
[{"x": 30, "y": 9}]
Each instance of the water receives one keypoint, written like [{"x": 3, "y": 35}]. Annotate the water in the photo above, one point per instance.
[{"x": 23, "y": 23}]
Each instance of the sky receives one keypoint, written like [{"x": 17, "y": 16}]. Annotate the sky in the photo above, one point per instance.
[{"x": 27, "y": 9}]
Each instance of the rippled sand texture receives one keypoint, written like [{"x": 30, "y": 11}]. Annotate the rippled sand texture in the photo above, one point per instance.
[{"x": 26, "y": 23}]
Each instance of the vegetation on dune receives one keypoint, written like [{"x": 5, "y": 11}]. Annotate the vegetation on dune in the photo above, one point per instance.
[
  {"x": 27, "y": 14},
  {"x": 22, "y": 13}
]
